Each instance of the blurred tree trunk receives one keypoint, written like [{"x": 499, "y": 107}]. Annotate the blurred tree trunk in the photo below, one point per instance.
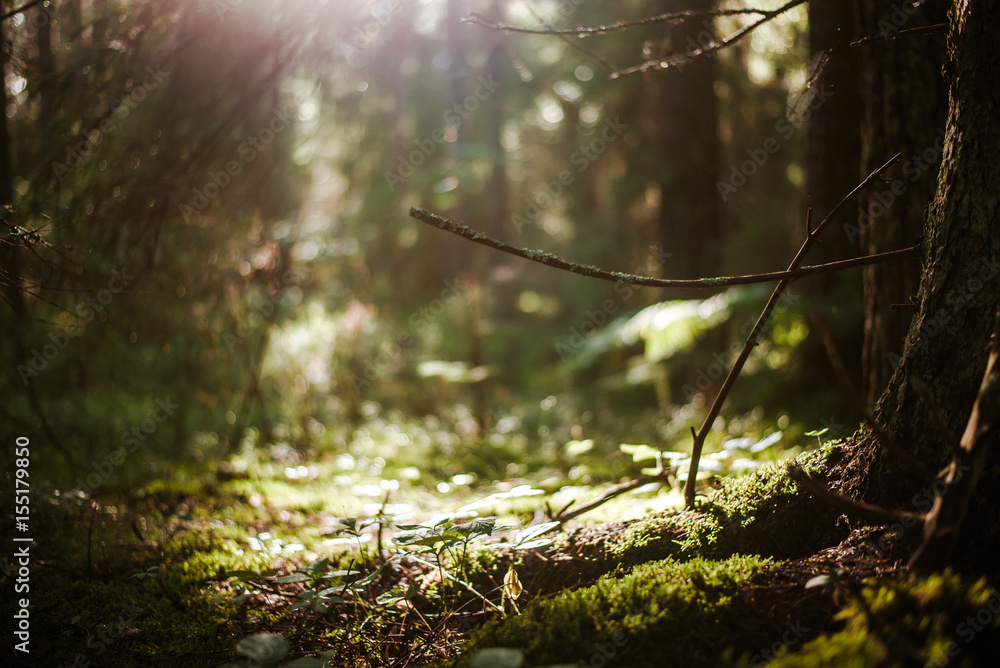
[
  {"x": 905, "y": 103},
  {"x": 458, "y": 253},
  {"x": 46, "y": 77},
  {"x": 833, "y": 143},
  {"x": 958, "y": 293},
  {"x": 833, "y": 168},
  {"x": 498, "y": 299},
  {"x": 688, "y": 148}
]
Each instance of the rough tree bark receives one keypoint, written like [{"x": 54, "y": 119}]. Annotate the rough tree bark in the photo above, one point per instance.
[
  {"x": 905, "y": 103},
  {"x": 959, "y": 293}
]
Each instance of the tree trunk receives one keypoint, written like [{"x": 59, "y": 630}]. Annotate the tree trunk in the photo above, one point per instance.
[
  {"x": 946, "y": 348},
  {"x": 905, "y": 107},
  {"x": 833, "y": 168},
  {"x": 833, "y": 144},
  {"x": 688, "y": 149}
]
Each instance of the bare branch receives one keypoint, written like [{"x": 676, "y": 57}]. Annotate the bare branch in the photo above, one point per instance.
[
  {"x": 751, "y": 342},
  {"x": 20, "y": 9},
  {"x": 674, "y": 17},
  {"x": 849, "y": 506},
  {"x": 945, "y": 518},
  {"x": 681, "y": 58},
  {"x": 551, "y": 260},
  {"x": 573, "y": 45},
  {"x": 672, "y": 60},
  {"x": 562, "y": 517},
  {"x": 909, "y": 32}
]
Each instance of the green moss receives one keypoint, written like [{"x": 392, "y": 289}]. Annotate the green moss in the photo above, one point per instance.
[
  {"x": 643, "y": 618},
  {"x": 934, "y": 621},
  {"x": 759, "y": 513}
]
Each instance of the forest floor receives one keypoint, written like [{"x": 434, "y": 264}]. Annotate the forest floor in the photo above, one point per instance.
[{"x": 255, "y": 566}]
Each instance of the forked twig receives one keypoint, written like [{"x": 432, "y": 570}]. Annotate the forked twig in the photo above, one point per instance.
[
  {"x": 751, "y": 342},
  {"x": 658, "y": 63},
  {"x": 562, "y": 517}
]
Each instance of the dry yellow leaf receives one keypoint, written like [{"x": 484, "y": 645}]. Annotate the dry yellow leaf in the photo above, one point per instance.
[{"x": 512, "y": 585}]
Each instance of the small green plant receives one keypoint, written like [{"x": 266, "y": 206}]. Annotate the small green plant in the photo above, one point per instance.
[{"x": 817, "y": 434}]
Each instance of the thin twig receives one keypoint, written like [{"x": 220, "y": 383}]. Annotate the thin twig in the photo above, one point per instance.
[
  {"x": 493, "y": 606},
  {"x": 751, "y": 342},
  {"x": 909, "y": 32},
  {"x": 573, "y": 44},
  {"x": 678, "y": 58},
  {"x": 881, "y": 435},
  {"x": 90, "y": 540},
  {"x": 675, "y": 17},
  {"x": 945, "y": 519},
  {"x": 842, "y": 503},
  {"x": 20, "y": 9},
  {"x": 551, "y": 260},
  {"x": 617, "y": 490}
]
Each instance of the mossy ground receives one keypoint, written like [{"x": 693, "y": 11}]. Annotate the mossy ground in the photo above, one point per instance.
[{"x": 177, "y": 575}]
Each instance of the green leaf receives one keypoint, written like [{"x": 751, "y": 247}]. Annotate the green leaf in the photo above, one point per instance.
[
  {"x": 640, "y": 452},
  {"x": 365, "y": 581},
  {"x": 482, "y": 526},
  {"x": 817, "y": 581},
  {"x": 575, "y": 448},
  {"x": 535, "y": 530},
  {"x": 497, "y": 657},
  {"x": 243, "y": 575},
  {"x": 266, "y": 648},
  {"x": 534, "y": 544},
  {"x": 317, "y": 566},
  {"x": 294, "y": 577}
]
